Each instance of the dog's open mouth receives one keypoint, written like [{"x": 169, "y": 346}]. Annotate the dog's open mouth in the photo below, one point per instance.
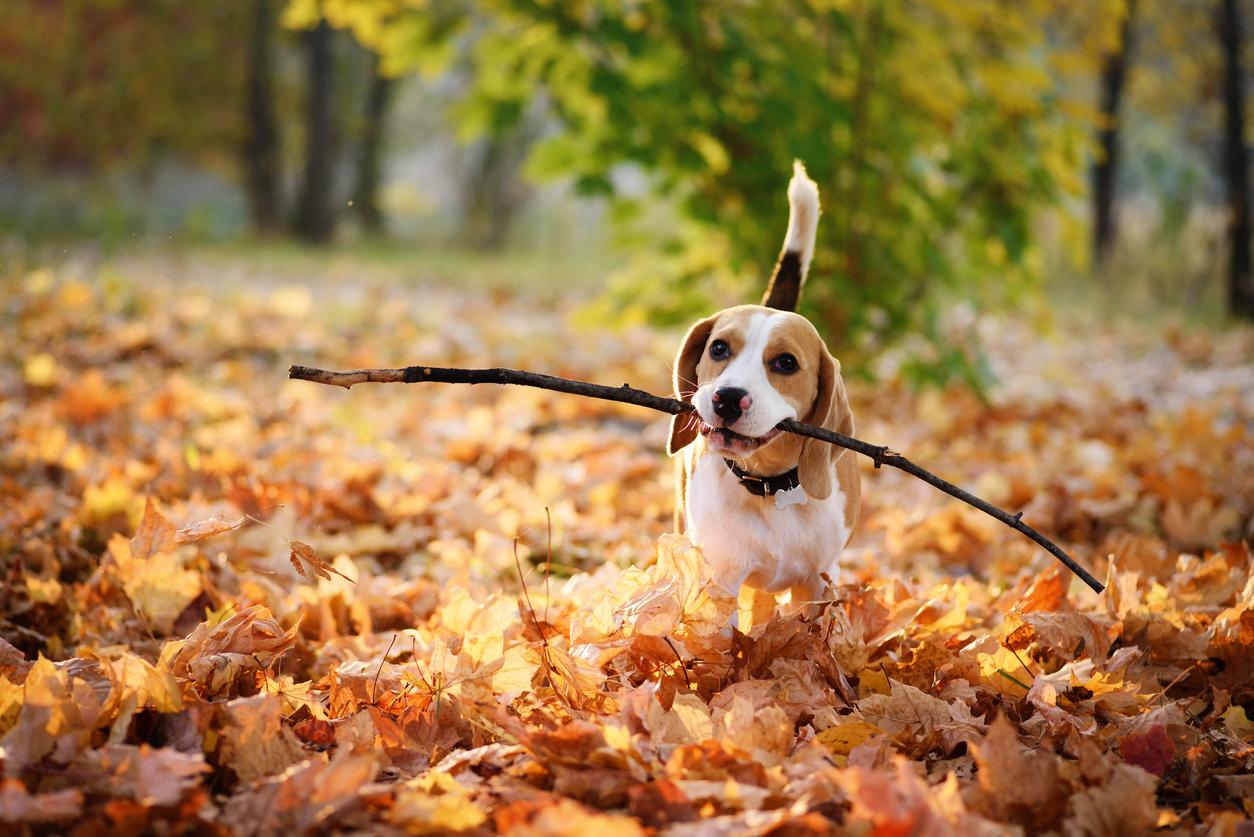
[{"x": 733, "y": 442}]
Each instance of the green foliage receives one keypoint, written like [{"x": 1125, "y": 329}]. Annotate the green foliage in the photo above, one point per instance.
[{"x": 935, "y": 128}]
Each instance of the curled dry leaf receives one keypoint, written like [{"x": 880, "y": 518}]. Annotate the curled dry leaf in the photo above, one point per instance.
[
  {"x": 210, "y": 527},
  {"x": 310, "y": 566},
  {"x": 214, "y": 654}
]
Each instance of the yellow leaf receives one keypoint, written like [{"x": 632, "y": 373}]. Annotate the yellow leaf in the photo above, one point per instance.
[
  {"x": 112, "y": 497},
  {"x": 1238, "y": 723},
  {"x": 688, "y": 721},
  {"x": 38, "y": 281},
  {"x": 10, "y": 703},
  {"x": 436, "y": 803},
  {"x": 302, "y": 14},
  {"x": 155, "y": 688},
  {"x": 75, "y": 294},
  {"x": 711, "y": 151},
  {"x": 842, "y": 738},
  {"x": 515, "y": 671},
  {"x": 41, "y": 370},
  {"x": 43, "y": 591},
  {"x": 422, "y": 813},
  {"x": 872, "y": 681},
  {"x": 159, "y": 587}
]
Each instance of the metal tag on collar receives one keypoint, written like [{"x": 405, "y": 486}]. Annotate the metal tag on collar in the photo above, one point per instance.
[{"x": 790, "y": 497}]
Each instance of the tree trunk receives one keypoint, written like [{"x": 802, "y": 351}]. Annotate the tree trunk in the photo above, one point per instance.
[
  {"x": 261, "y": 144},
  {"x": 369, "y": 163},
  {"x": 1105, "y": 168},
  {"x": 1236, "y": 164},
  {"x": 494, "y": 189},
  {"x": 315, "y": 215}
]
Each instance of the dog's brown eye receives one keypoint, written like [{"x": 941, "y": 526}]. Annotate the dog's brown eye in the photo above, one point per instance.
[
  {"x": 785, "y": 364},
  {"x": 719, "y": 350}
]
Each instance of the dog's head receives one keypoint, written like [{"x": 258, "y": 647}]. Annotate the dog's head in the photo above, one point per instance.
[{"x": 748, "y": 368}]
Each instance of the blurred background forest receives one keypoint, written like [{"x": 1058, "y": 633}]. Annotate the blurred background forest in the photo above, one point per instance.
[{"x": 980, "y": 152}]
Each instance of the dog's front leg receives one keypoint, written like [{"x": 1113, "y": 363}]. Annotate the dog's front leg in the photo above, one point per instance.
[
  {"x": 754, "y": 607},
  {"x": 806, "y": 599}
]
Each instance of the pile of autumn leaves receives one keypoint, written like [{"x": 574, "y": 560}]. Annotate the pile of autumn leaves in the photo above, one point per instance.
[
  {"x": 912, "y": 711},
  {"x": 163, "y": 667}
]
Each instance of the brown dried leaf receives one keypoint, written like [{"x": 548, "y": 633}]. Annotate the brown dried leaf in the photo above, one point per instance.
[
  {"x": 150, "y": 776},
  {"x": 17, "y": 805},
  {"x": 213, "y": 655},
  {"x": 658, "y": 804},
  {"x": 157, "y": 583},
  {"x": 1016, "y": 784},
  {"x": 905, "y": 707},
  {"x": 900, "y": 803},
  {"x": 302, "y": 800},
  {"x": 155, "y": 535},
  {"x": 209, "y": 527},
  {"x": 1124, "y": 804},
  {"x": 255, "y": 741},
  {"x": 310, "y": 566},
  {"x": 13, "y": 664},
  {"x": 1151, "y": 750}
]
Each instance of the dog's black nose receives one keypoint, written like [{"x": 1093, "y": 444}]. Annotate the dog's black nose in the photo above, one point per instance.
[{"x": 730, "y": 403}]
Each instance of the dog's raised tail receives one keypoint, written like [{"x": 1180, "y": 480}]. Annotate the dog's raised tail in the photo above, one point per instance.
[{"x": 784, "y": 290}]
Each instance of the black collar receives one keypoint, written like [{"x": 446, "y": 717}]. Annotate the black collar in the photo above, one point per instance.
[{"x": 764, "y": 486}]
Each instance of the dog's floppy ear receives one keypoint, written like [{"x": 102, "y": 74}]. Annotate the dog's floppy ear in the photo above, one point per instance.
[
  {"x": 684, "y": 425},
  {"x": 830, "y": 410}
]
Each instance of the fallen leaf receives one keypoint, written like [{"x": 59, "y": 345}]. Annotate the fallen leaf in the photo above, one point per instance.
[
  {"x": 255, "y": 741},
  {"x": 309, "y": 565},
  {"x": 209, "y": 527},
  {"x": 19, "y": 806},
  {"x": 843, "y": 737},
  {"x": 1152, "y": 750}
]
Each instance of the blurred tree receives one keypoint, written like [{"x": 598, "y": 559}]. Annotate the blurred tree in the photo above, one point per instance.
[
  {"x": 404, "y": 37},
  {"x": 495, "y": 191},
  {"x": 370, "y": 152},
  {"x": 261, "y": 149},
  {"x": 1106, "y": 165},
  {"x": 1236, "y": 162},
  {"x": 87, "y": 83},
  {"x": 315, "y": 211}
]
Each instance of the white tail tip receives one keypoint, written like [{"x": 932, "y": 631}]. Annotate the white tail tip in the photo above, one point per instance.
[{"x": 803, "y": 215}]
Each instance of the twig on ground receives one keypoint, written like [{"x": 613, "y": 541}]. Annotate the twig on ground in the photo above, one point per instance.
[
  {"x": 879, "y": 454},
  {"x": 374, "y": 691}
]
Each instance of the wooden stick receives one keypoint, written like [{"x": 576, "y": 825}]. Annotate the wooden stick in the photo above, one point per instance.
[{"x": 879, "y": 454}]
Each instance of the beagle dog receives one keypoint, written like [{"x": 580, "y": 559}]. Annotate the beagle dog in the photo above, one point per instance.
[{"x": 770, "y": 510}]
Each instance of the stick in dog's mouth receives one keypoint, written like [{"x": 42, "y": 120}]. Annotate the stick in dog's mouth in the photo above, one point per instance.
[{"x": 736, "y": 442}]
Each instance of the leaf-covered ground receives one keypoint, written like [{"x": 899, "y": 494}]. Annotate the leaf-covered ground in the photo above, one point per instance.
[{"x": 234, "y": 604}]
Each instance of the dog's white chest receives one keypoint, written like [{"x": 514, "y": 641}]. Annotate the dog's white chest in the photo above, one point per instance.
[{"x": 747, "y": 538}]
